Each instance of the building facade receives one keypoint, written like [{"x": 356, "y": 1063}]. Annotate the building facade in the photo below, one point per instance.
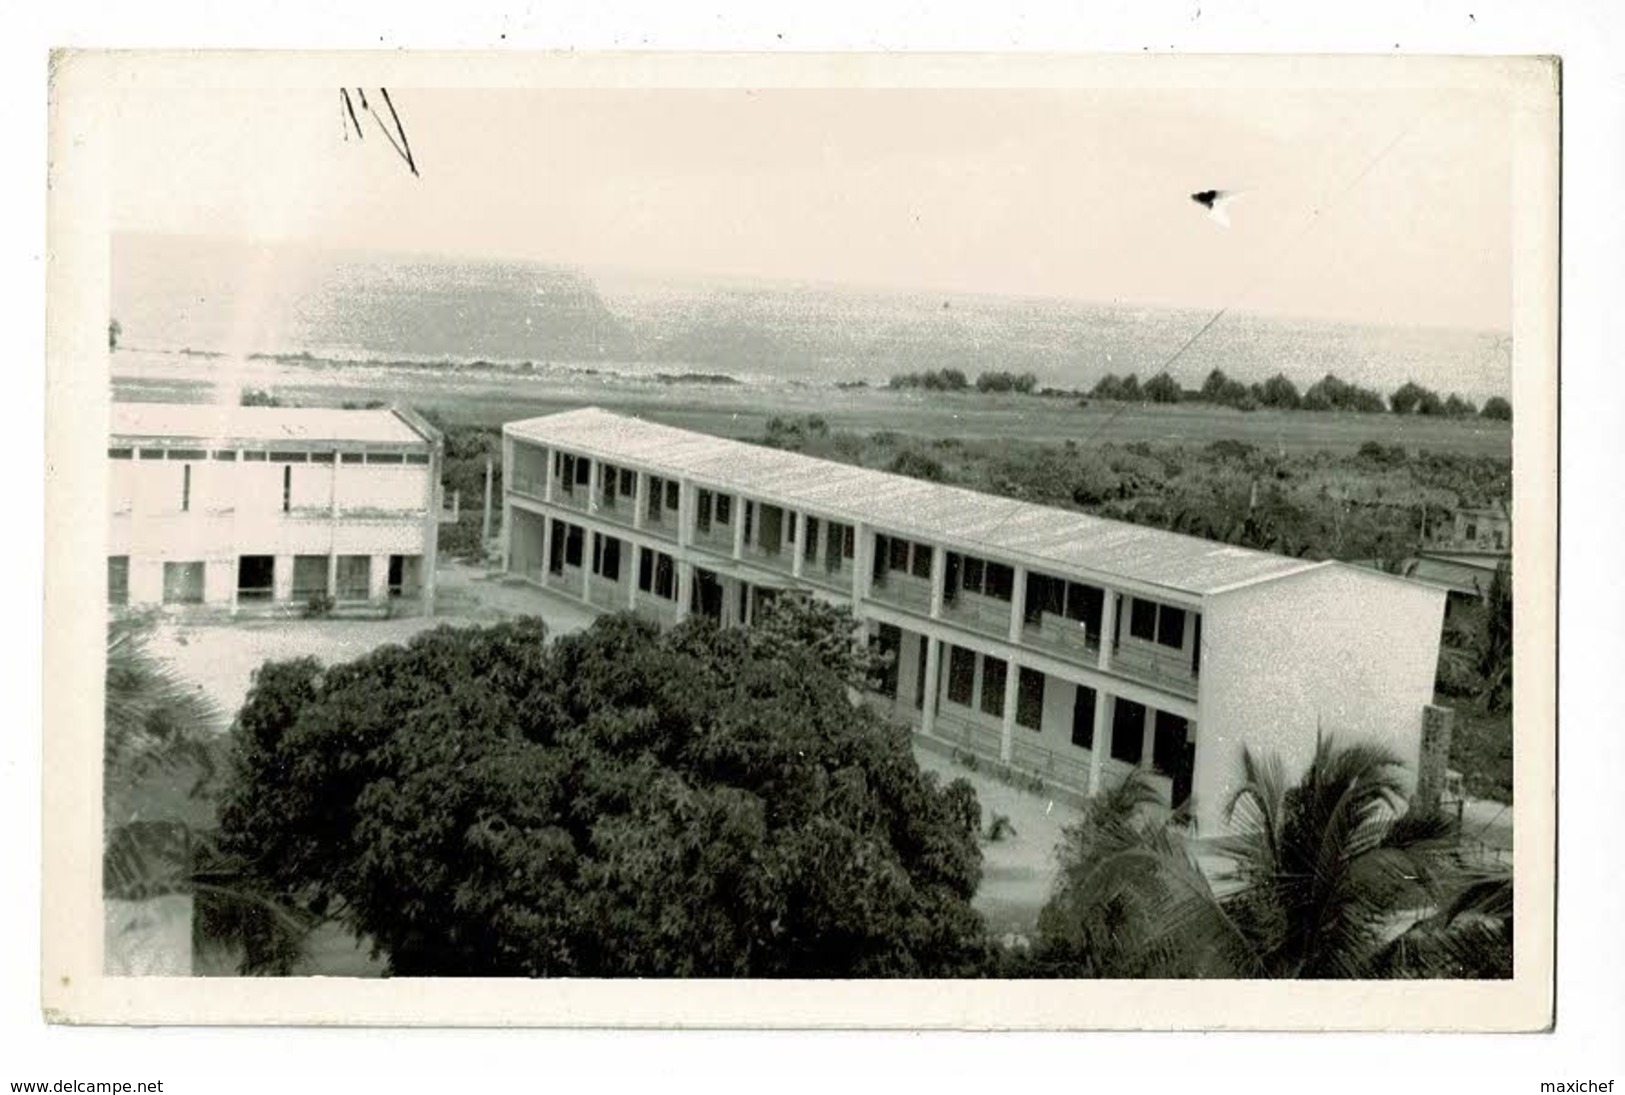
[
  {"x": 1062, "y": 645},
  {"x": 270, "y": 509}
]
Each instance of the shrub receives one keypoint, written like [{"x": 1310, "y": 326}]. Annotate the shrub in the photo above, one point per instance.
[
  {"x": 1279, "y": 392},
  {"x": 318, "y": 606},
  {"x": 1163, "y": 388},
  {"x": 917, "y": 465},
  {"x": 1497, "y": 408}
]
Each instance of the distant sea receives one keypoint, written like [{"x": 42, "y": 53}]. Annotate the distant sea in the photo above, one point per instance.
[{"x": 172, "y": 293}]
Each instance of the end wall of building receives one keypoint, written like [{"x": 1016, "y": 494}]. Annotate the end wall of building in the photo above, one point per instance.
[{"x": 1334, "y": 649}]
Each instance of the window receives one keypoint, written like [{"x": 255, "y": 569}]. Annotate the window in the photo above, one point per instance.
[
  {"x": 230, "y": 455},
  {"x": 646, "y": 570},
  {"x": 849, "y": 541},
  {"x": 287, "y": 457},
  {"x": 657, "y": 493},
  {"x": 921, "y": 561},
  {"x": 888, "y": 644},
  {"x": 961, "y": 675},
  {"x": 1142, "y": 622},
  {"x": 724, "y": 508},
  {"x": 120, "y": 454},
  {"x": 672, "y": 494},
  {"x": 555, "y": 550},
  {"x": 629, "y": 482},
  {"x": 1030, "y": 699},
  {"x": 665, "y": 577},
  {"x": 702, "y": 511},
  {"x": 1084, "y": 604},
  {"x": 1169, "y": 746},
  {"x": 1472, "y": 531},
  {"x": 994, "y": 673},
  {"x": 353, "y": 579},
  {"x": 185, "y": 454},
  {"x": 386, "y": 458},
  {"x": 1171, "y": 626},
  {"x": 152, "y": 454},
  {"x": 897, "y": 554},
  {"x": 840, "y": 546},
  {"x": 974, "y": 574},
  {"x": 183, "y": 583},
  {"x": 186, "y": 488},
  {"x": 750, "y": 519},
  {"x": 809, "y": 546},
  {"x": 411, "y": 458},
  {"x": 1128, "y": 731},
  {"x": 309, "y": 576},
  {"x": 344, "y": 457},
  {"x": 1500, "y": 540},
  {"x": 790, "y": 531},
  {"x": 567, "y": 471},
  {"x": 1083, "y": 717},
  {"x": 118, "y": 579},
  {"x": 256, "y": 579},
  {"x": 573, "y": 536},
  {"x": 403, "y": 575},
  {"x": 606, "y": 557},
  {"x": 321, "y": 458},
  {"x": 583, "y": 471},
  {"x": 287, "y": 489},
  {"x": 1001, "y": 581}
]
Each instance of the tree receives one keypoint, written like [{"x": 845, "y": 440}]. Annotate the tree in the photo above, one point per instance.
[
  {"x": 114, "y": 331},
  {"x": 1279, "y": 392},
  {"x": 1163, "y": 388},
  {"x": 1411, "y": 397},
  {"x": 1495, "y": 643},
  {"x": 1316, "y": 879},
  {"x": 1457, "y": 407},
  {"x": 258, "y": 397},
  {"x": 621, "y": 802},
  {"x": 917, "y": 465},
  {"x": 1496, "y": 407}
]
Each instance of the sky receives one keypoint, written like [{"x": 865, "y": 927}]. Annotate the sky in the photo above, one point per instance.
[{"x": 1387, "y": 206}]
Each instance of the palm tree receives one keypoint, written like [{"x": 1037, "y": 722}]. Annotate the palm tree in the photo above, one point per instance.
[
  {"x": 1330, "y": 877},
  {"x": 161, "y": 737}
]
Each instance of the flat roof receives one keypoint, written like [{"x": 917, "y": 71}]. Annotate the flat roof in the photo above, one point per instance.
[
  {"x": 224, "y": 422},
  {"x": 1040, "y": 535}
]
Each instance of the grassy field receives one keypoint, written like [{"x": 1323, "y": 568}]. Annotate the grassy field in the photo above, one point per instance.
[{"x": 468, "y": 397}]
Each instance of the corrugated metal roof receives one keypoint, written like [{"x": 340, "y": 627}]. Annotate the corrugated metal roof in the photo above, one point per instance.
[
  {"x": 1039, "y": 535},
  {"x": 224, "y": 422}
]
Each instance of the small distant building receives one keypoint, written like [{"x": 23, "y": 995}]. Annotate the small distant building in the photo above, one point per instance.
[
  {"x": 269, "y": 508},
  {"x": 1463, "y": 557},
  {"x": 1486, "y": 529},
  {"x": 1060, "y": 644}
]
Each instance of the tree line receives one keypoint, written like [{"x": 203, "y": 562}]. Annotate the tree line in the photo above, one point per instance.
[
  {"x": 955, "y": 380},
  {"x": 1330, "y": 393}
]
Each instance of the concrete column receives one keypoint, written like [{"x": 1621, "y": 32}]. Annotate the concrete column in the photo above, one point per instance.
[
  {"x": 685, "y": 587},
  {"x": 862, "y": 550},
  {"x": 282, "y": 578},
  {"x": 796, "y": 542},
  {"x": 332, "y": 573},
  {"x": 1105, "y": 706},
  {"x": 485, "y": 519},
  {"x": 1108, "y": 627},
  {"x": 686, "y": 496},
  {"x": 640, "y": 505},
  {"x": 939, "y": 579},
  {"x": 586, "y": 559},
  {"x": 1007, "y": 730},
  {"x": 933, "y": 685},
  {"x": 1148, "y": 736},
  {"x": 549, "y": 457},
  {"x": 630, "y": 566},
  {"x": 739, "y": 526},
  {"x": 547, "y": 547},
  {"x": 1018, "y": 604},
  {"x": 595, "y": 471},
  {"x": 377, "y": 578}
]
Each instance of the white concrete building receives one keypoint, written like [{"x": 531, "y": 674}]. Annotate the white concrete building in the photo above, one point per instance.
[
  {"x": 1060, "y": 644},
  {"x": 267, "y": 508}
]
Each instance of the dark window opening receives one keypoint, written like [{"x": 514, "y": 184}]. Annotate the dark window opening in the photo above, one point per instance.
[
  {"x": 583, "y": 471},
  {"x": 1001, "y": 581},
  {"x": 961, "y": 675},
  {"x": 573, "y": 537},
  {"x": 1083, "y": 717},
  {"x": 898, "y": 554},
  {"x": 354, "y": 578},
  {"x": 1128, "y": 731},
  {"x": 724, "y": 508},
  {"x": 344, "y": 457},
  {"x": 288, "y": 457},
  {"x": 118, "y": 579},
  {"x": 922, "y": 561},
  {"x": 888, "y": 644},
  {"x": 183, "y": 583},
  {"x": 646, "y": 570},
  {"x": 1030, "y": 699},
  {"x": 995, "y": 671},
  {"x": 386, "y": 458},
  {"x": 327, "y": 458},
  {"x": 1171, "y": 627},
  {"x": 1169, "y": 747},
  {"x": 665, "y": 577},
  {"x": 120, "y": 454},
  {"x": 256, "y": 577},
  {"x": 186, "y": 488},
  {"x": 555, "y": 551},
  {"x": 672, "y": 494},
  {"x": 230, "y": 455},
  {"x": 975, "y": 574},
  {"x": 152, "y": 454},
  {"x": 186, "y": 454},
  {"x": 1142, "y": 622},
  {"x": 606, "y": 557},
  {"x": 809, "y": 546},
  {"x": 702, "y": 511},
  {"x": 309, "y": 577},
  {"x": 629, "y": 482},
  {"x": 287, "y": 489},
  {"x": 924, "y": 653}
]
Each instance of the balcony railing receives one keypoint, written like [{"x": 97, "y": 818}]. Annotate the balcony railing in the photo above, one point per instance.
[
  {"x": 781, "y": 559},
  {"x": 979, "y": 613},
  {"x": 718, "y": 539},
  {"x": 574, "y": 498},
  {"x": 840, "y": 579},
  {"x": 617, "y": 508},
  {"x": 903, "y": 591},
  {"x": 568, "y": 582},
  {"x": 663, "y": 524},
  {"x": 1171, "y": 670},
  {"x": 528, "y": 485},
  {"x": 1062, "y": 636},
  {"x": 605, "y": 594}
]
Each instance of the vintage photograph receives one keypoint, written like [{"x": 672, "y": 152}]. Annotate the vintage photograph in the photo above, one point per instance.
[{"x": 1053, "y": 528}]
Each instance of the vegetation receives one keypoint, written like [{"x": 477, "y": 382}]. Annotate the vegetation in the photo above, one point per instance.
[
  {"x": 1163, "y": 388},
  {"x": 937, "y": 380},
  {"x": 1497, "y": 408},
  {"x": 114, "y": 331},
  {"x": 258, "y": 397},
  {"x": 465, "y": 450},
  {"x": 1330, "y": 877},
  {"x": 620, "y": 802},
  {"x": 1024, "y": 383},
  {"x": 1118, "y": 389}
]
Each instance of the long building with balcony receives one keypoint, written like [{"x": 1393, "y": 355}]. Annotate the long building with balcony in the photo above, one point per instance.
[
  {"x": 1067, "y": 646},
  {"x": 270, "y": 508}
]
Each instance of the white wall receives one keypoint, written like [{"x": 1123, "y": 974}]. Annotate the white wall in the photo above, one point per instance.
[{"x": 1349, "y": 651}]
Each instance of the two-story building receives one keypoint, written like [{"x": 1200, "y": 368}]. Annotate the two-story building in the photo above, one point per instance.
[
  {"x": 270, "y": 508},
  {"x": 1061, "y": 644}
]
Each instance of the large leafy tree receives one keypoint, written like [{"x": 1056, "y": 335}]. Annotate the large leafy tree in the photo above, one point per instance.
[
  {"x": 621, "y": 802},
  {"x": 1328, "y": 877}
]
